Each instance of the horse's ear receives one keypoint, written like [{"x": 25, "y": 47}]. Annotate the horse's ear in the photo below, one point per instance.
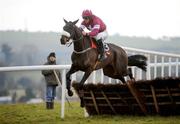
[
  {"x": 65, "y": 20},
  {"x": 75, "y": 21}
]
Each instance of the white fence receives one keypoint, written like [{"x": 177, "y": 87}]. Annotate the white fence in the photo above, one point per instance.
[
  {"x": 159, "y": 65},
  {"x": 43, "y": 67}
]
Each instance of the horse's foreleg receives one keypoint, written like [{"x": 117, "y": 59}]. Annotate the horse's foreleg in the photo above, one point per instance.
[
  {"x": 85, "y": 76},
  {"x": 68, "y": 79},
  {"x": 81, "y": 93}
]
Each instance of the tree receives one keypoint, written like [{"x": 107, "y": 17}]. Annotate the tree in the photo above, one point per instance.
[
  {"x": 2, "y": 80},
  {"x": 25, "y": 82},
  {"x": 29, "y": 93},
  {"x": 7, "y": 50}
]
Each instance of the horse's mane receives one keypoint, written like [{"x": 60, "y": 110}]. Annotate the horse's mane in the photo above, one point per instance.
[{"x": 86, "y": 39}]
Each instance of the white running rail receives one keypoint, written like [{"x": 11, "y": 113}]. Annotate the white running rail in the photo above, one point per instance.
[
  {"x": 64, "y": 68},
  {"x": 159, "y": 65}
]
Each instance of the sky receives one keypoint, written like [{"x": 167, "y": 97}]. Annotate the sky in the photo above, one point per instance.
[{"x": 147, "y": 18}]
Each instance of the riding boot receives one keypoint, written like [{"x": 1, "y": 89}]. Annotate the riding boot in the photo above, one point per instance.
[{"x": 101, "y": 50}]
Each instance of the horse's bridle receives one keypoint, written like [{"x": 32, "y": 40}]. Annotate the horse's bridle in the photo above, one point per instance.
[
  {"x": 74, "y": 41},
  {"x": 70, "y": 36}
]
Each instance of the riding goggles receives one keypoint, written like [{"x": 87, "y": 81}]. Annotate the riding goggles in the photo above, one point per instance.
[{"x": 86, "y": 17}]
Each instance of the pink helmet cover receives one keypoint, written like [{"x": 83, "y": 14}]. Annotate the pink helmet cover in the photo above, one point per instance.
[{"x": 87, "y": 13}]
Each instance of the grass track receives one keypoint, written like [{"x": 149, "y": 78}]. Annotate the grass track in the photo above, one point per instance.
[{"x": 37, "y": 114}]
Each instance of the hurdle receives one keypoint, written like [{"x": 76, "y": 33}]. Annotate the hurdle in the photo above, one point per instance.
[{"x": 160, "y": 96}]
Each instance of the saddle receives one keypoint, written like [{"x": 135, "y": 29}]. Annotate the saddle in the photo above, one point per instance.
[{"x": 106, "y": 46}]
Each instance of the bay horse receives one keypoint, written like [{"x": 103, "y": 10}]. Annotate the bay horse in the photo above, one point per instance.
[{"x": 85, "y": 58}]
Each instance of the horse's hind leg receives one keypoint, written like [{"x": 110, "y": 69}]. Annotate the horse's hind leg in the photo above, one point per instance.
[
  {"x": 130, "y": 74},
  {"x": 81, "y": 93},
  {"x": 122, "y": 79}
]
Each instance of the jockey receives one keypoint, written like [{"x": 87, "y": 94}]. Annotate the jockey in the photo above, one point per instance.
[{"x": 97, "y": 30}]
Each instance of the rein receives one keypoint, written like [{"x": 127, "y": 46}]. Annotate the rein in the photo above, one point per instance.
[
  {"x": 70, "y": 42},
  {"x": 78, "y": 39},
  {"x": 83, "y": 51}
]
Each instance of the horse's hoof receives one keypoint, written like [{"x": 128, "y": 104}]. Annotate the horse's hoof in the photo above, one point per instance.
[
  {"x": 133, "y": 80},
  {"x": 70, "y": 93}
]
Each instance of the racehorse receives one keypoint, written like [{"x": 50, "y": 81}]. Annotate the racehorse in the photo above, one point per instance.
[{"x": 85, "y": 58}]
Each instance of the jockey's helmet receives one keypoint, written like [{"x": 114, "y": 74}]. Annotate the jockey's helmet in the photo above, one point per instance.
[{"x": 86, "y": 14}]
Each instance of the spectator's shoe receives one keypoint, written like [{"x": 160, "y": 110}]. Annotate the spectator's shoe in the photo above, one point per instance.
[{"x": 49, "y": 105}]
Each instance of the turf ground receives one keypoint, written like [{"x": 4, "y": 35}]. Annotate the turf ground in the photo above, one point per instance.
[{"x": 37, "y": 114}]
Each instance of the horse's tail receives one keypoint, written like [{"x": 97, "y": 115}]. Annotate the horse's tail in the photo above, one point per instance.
[{"x": 138, "y": 60}]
